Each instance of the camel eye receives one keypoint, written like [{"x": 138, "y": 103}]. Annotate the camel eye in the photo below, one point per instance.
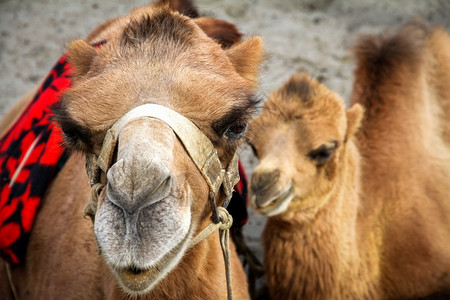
[
  {"x": 76, "y": 136},
  {"x": 323, "y": 153},
  {"x": 236, "y": 130},
  {"x": 71, "y": 136}
]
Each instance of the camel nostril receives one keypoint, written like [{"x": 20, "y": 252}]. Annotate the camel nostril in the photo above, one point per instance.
[
  {"x": 264, "y": 180},
  {"x": 162, "y": 189},
  {"x": 134, "y": 184}
]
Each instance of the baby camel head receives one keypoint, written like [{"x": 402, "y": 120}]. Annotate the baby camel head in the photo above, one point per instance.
[
  {"x": 299, "y": 139},
  {"x": 155, "y": 198}
]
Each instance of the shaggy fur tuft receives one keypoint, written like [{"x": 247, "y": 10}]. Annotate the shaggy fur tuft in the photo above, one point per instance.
[{"x": 163, "y": 25}]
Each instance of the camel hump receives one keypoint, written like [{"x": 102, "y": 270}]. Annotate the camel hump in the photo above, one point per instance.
[
  {"x": 225, "y": 33},
  {"x": 382, "y": 54},
  {"x": 185, "y": 7},
  {"x": 389, "y": 61}
]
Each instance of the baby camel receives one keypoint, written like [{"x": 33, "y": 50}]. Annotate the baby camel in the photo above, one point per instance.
[{"x": 363, "y": 216}]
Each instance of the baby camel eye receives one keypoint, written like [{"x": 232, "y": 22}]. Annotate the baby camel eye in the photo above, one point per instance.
[
  {"x": 323, "y": 153},
  {"x": 236, "y": 130}
]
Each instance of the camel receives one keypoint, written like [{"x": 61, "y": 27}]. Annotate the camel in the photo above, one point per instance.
[
  {"x": 159, "y": 75},
  {"x": 357, "y": 199}
]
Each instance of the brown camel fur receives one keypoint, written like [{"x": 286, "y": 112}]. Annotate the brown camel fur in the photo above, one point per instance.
[
  {"x": 365, "y": 216},
  {"x": 152, "y": 55}
]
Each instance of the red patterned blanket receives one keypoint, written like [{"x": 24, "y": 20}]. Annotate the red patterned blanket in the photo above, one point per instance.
[{"x": 30, "y": 156}]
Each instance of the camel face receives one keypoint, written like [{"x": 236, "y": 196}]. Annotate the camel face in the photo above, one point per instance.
[
  {"x": 155, "y": 198},
  {"x": 298, "y": 138}
]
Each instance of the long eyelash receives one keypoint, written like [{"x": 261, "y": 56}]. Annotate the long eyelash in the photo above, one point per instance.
[
  {"x": 322, "y": 154},
  {"x": 235, "y": 134},
  {"x": 242, "y": 112},
  {"x": 78, "y": 136}
]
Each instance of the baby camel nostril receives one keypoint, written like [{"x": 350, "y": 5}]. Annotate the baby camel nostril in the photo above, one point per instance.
[{"x": 262, "y": 181}]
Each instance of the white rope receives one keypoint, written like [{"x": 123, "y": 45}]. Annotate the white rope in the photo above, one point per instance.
[
  {"x": 11, "y": 284},
  {"x": 226, "y": 220}
]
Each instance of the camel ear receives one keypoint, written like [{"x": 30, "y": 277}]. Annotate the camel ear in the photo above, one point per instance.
[
  {"x": 80, "y": 56},
  {"x": 225, "y": 33},
  {"x": 354, "y": 118},
  {"x": 247, "y": 57}
]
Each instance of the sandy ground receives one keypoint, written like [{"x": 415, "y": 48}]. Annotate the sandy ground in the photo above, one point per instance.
[{"x": 300, "y": 36}]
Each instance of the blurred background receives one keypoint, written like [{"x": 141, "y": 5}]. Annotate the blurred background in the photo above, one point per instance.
[{"x": 299, "y": 35}]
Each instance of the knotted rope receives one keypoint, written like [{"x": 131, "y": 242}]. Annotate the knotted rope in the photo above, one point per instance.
[
  {"x": 226, "y": 220},
  {"x": 91, "y": 207}
]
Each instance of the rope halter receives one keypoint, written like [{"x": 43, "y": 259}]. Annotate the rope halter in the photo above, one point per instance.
[{"x": 202, "y": 153}]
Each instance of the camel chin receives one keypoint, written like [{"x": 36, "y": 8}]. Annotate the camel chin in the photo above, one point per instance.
[
  {"x": 138, "y": 281},
  {"x": 274, "y": 203}
]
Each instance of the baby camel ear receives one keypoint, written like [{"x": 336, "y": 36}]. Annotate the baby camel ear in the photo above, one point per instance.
[
  {"x": 247, "y": 57},
  {"x": 354, "y": 118},
  {"x": 80, "y": 56}
]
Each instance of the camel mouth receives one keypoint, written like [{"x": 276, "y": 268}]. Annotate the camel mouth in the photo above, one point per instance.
[
  {"x": 134, "y": 270},
  {"x": 137, "y": 280},
  {"x": 279, "y": 203}
]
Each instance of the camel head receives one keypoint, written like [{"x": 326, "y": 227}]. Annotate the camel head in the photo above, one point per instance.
[
  {"x": 155, "y": 199},
  {"x": 299, "y": 139}
]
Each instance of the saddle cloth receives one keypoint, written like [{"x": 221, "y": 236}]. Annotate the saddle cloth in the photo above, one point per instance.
[{"x": 31, "y": 155}]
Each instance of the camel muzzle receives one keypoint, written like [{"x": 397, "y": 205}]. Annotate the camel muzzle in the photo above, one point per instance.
[{"x": 202, "y": 153}]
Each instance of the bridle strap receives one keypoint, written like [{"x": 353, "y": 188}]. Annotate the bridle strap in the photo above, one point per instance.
[
  {"x": 199, "y": 147},
  {"x": 202, "y": 153}
]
